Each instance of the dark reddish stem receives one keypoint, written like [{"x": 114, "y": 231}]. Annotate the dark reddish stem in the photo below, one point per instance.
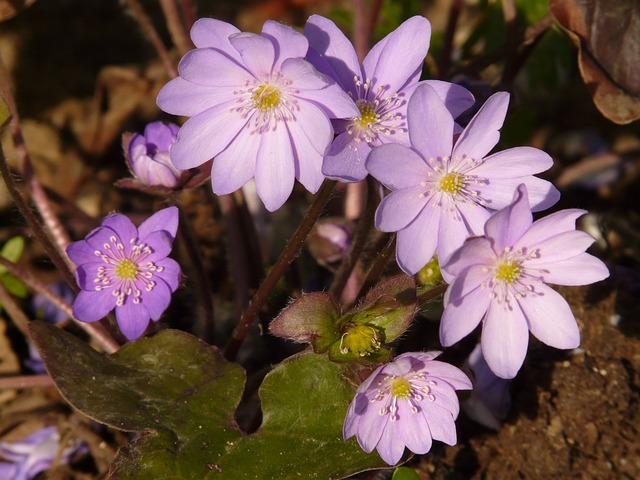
[
  {"x": 176, "y": 27},
  {"x": 25, "y": 381},
  {"x": 293, "y": 247},
  {"x": 447, "y": 46},
  {"x": 378, "y": 266}
]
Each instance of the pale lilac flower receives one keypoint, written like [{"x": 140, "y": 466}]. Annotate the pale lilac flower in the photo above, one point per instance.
[
  {"x": 380, "y": 88},
  {"x": 489, "y": 402},
  {"x": 501, "y": 280},
  {"x": 256, "y": 106},
  {"x": 443, "y": 192},
  {"x": 126, "y": 268},
  {"x": 148, "y": 155},
  {"x": 407, "y": 402},
  {"x": 35, "y": 454}
]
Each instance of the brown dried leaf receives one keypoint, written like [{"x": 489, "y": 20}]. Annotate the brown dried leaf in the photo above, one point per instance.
[
  {"x": 10, "y": 8},
  {"x": 608, "y": 37}
]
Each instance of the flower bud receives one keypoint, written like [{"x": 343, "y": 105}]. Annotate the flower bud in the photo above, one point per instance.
[{"x": 148, "y": 155}]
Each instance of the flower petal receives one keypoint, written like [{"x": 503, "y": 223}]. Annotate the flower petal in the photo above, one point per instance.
[
  {"x": 482, "y": 132},
  {"x": 125, "y": 230},
  {"x": 307, "y": 160},
  {"x": 390, "y": 62},
  {"x": 132, "y": 318},
  {"x": 441, "y": 424},
  {"x": 157, "y": 300},
  {"x": 389, "y": 448},
  {"x": 514, "y": 162},
  {"x": 550, "y": 318},
  {"x": 506, "y": 226},
  {"x": 287, "y": 42},
  {"x": 170, "y": 272},
  {"x": 383, "y": 160},
  {"x": 312, "y": 123},
  {"x": 210, "y": 67},
  {"x": 499, "y": 192},
  {"x": 332, "y": 100},
  {"x": 275, "y": 169},
  {"x": 455, "y": 97},
  {"x": 476, "y": 251},
  {"x": 400, "y": 208},
  {"x": 86, "y": 273},
  {"x": 165, "y": 220},
  {"x": 417, "y": 241},
  {"x": 430, "y": 123},
  {"x": 345, "y": 159},
  {"x": 553, "y": 224},
  {"x": 235, "y": 165},
  {"x": 582, "y": 269},
  {"x": 256, "y": 51},
  {"x": 207, "y": 134},
  {"x": 303, "y": 75},
  {"x": 92, "y": 306},
  {"x": 459, "y": 222},
  {"x": 335, "y": 48},
  {"x": 412, "y": 429},
  {"x": 212, "y": 33},
  {"x": 462, "y": 316},
  {"x": 81, "y": 252},
  {"x": 181, "y": 97},
  {"x": 557, "y": 248},
  {"x": 452, "y": 375},
  {"x": 505, "y": 337}
]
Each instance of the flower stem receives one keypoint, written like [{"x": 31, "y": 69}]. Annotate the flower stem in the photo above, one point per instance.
[
  {"x": 26, "y": 381},
  {"x": 36, "y": 227},
  {"x": 377, "y": 267},
  {"x": 203, "y": 284},
  {"x": 51, "y": 220},
  {"x": 176, "y": 27},
  {"x": 447, "y": 45},
  {"x": 14, "y": 311},
  {"x": 293, "y": 247},
  {"x": 95, "y": 330},
  {"x": 152, "y": 35},
  {"x": 357, "y": 245},
  {"x": 431, "y": 294}
]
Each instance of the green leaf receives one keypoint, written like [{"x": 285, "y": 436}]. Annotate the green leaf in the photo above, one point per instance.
[
  {"x": 309, "y": 319},
  {"x": 390, "y": 305},
  {"x": 183, "y": 394},
  {"x": 14, "y": 286},
  {"x": 405, "y": 473},
  {"x": 304, "y": 402},
  {"x": 12, "y": 251},
  {"x": 4, "y": 112},
  {"x": 172, "y": 385}
]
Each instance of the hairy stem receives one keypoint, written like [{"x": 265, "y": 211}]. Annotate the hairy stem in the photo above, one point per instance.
[
  {"x": 14, "y": 311},
  {"x": 447, "y": 45},
  {"x": 176, "y": 27},
  {"x": 152, "y": 35},
  {"x": 377, "y": 267},
  {"x": 26, "y": 381},
  {"x": 293, "y": 247}
]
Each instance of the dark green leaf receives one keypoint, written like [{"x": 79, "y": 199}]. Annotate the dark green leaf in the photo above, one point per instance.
[
  {"x": 14, "y": 286},
  {"x": 405, "y": 473}
]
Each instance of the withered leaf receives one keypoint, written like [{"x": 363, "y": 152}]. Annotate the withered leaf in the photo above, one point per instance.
[{"x": 608, "y": 37}]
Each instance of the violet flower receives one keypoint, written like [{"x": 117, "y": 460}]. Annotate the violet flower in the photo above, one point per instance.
[
  {"x": 407, "y": 402},
  {"x": 256, "y": 106},
  {"x": 502, "y": 279},
  {"x": 148, "y": 155},
  {"x": 489, "y": 402},
  {"x": 380, "y": 88},
  {"x": 126, "y": 268},
  {"x": 443, "y": 192},
  {"x": 35, "y": 454}
]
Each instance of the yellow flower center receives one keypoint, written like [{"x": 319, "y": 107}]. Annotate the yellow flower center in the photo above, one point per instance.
[
  {"x": 368, "y": 114},
  {"x": 266, "y": 97},
  {"x": 508, "y": 271},
  {"x": 361, "y": 340},
  {"x": 451, "y": 183},
  {"x": 401, "y": 388},
  {"x": 126, "y": 269}
]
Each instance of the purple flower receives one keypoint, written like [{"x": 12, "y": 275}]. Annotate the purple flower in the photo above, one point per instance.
[
  {"x": 489, "y": 402},
  {"x": 126, "y": 268},
  {"x": 407, "y": 402},
  {"x": 380, "y": 88},
  {"x": 443, "y": 192},
  {"x": 256, "y": 106},
  {"x": 35, "y": 454},
  {"x": 502, "y": 280},
  {"x": 148, "y": 155}
]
